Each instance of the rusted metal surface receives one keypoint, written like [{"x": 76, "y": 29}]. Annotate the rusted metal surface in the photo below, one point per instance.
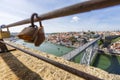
[
  {"x": 73, "y": 9},
  {"x": 57, "y": 64}
]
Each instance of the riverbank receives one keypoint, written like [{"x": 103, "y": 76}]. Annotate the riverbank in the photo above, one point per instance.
[{"x": 18, "y": 65}]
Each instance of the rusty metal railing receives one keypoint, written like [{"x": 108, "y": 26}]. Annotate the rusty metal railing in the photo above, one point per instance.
[{"x": 73, "y": 9}]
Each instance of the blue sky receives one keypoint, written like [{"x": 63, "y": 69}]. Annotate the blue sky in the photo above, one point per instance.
[{"x": 107, "y": 19}]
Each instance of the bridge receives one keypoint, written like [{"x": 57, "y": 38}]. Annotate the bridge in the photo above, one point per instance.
[{"x": 89, "y": 50}]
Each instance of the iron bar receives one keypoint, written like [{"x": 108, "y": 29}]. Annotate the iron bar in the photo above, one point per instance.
[
  {"x": 73, "y": 9},
  {"x": 57, "y": 64}
]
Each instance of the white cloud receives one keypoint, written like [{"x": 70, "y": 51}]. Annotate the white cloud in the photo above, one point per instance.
[{"x": 75, "y": 19}]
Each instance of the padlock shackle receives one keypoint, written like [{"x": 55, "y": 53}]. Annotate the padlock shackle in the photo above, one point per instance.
[{"x": 32, "y": 19}]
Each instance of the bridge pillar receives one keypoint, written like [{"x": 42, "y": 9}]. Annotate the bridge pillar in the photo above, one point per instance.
[
  {"x": 89, "y": 54},
  {"x": 86, "y": 59}
]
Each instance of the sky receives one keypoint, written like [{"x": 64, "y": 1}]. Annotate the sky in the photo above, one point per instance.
[{"x": 107, "y": 19}]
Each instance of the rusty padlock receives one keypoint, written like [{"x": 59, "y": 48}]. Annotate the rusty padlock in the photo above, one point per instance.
[
  {"x": 40, "y": 37},
  {"x": 28, "y": 34}
]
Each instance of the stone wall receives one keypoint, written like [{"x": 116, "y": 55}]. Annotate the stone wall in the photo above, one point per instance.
[{"x": 17, "y": 65}]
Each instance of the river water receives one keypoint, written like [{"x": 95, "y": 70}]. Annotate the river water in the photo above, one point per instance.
[
  {"x": 106, "y": 62},
  {"x": 48, "y": 47}
]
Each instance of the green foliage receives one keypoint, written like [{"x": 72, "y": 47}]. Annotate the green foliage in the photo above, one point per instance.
[
  {"x": 92, "y": 32},
  {"x": 73, "y": 39},
  {"x": 100, "y": 42},
  {"x": 116, "y": 39}
]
